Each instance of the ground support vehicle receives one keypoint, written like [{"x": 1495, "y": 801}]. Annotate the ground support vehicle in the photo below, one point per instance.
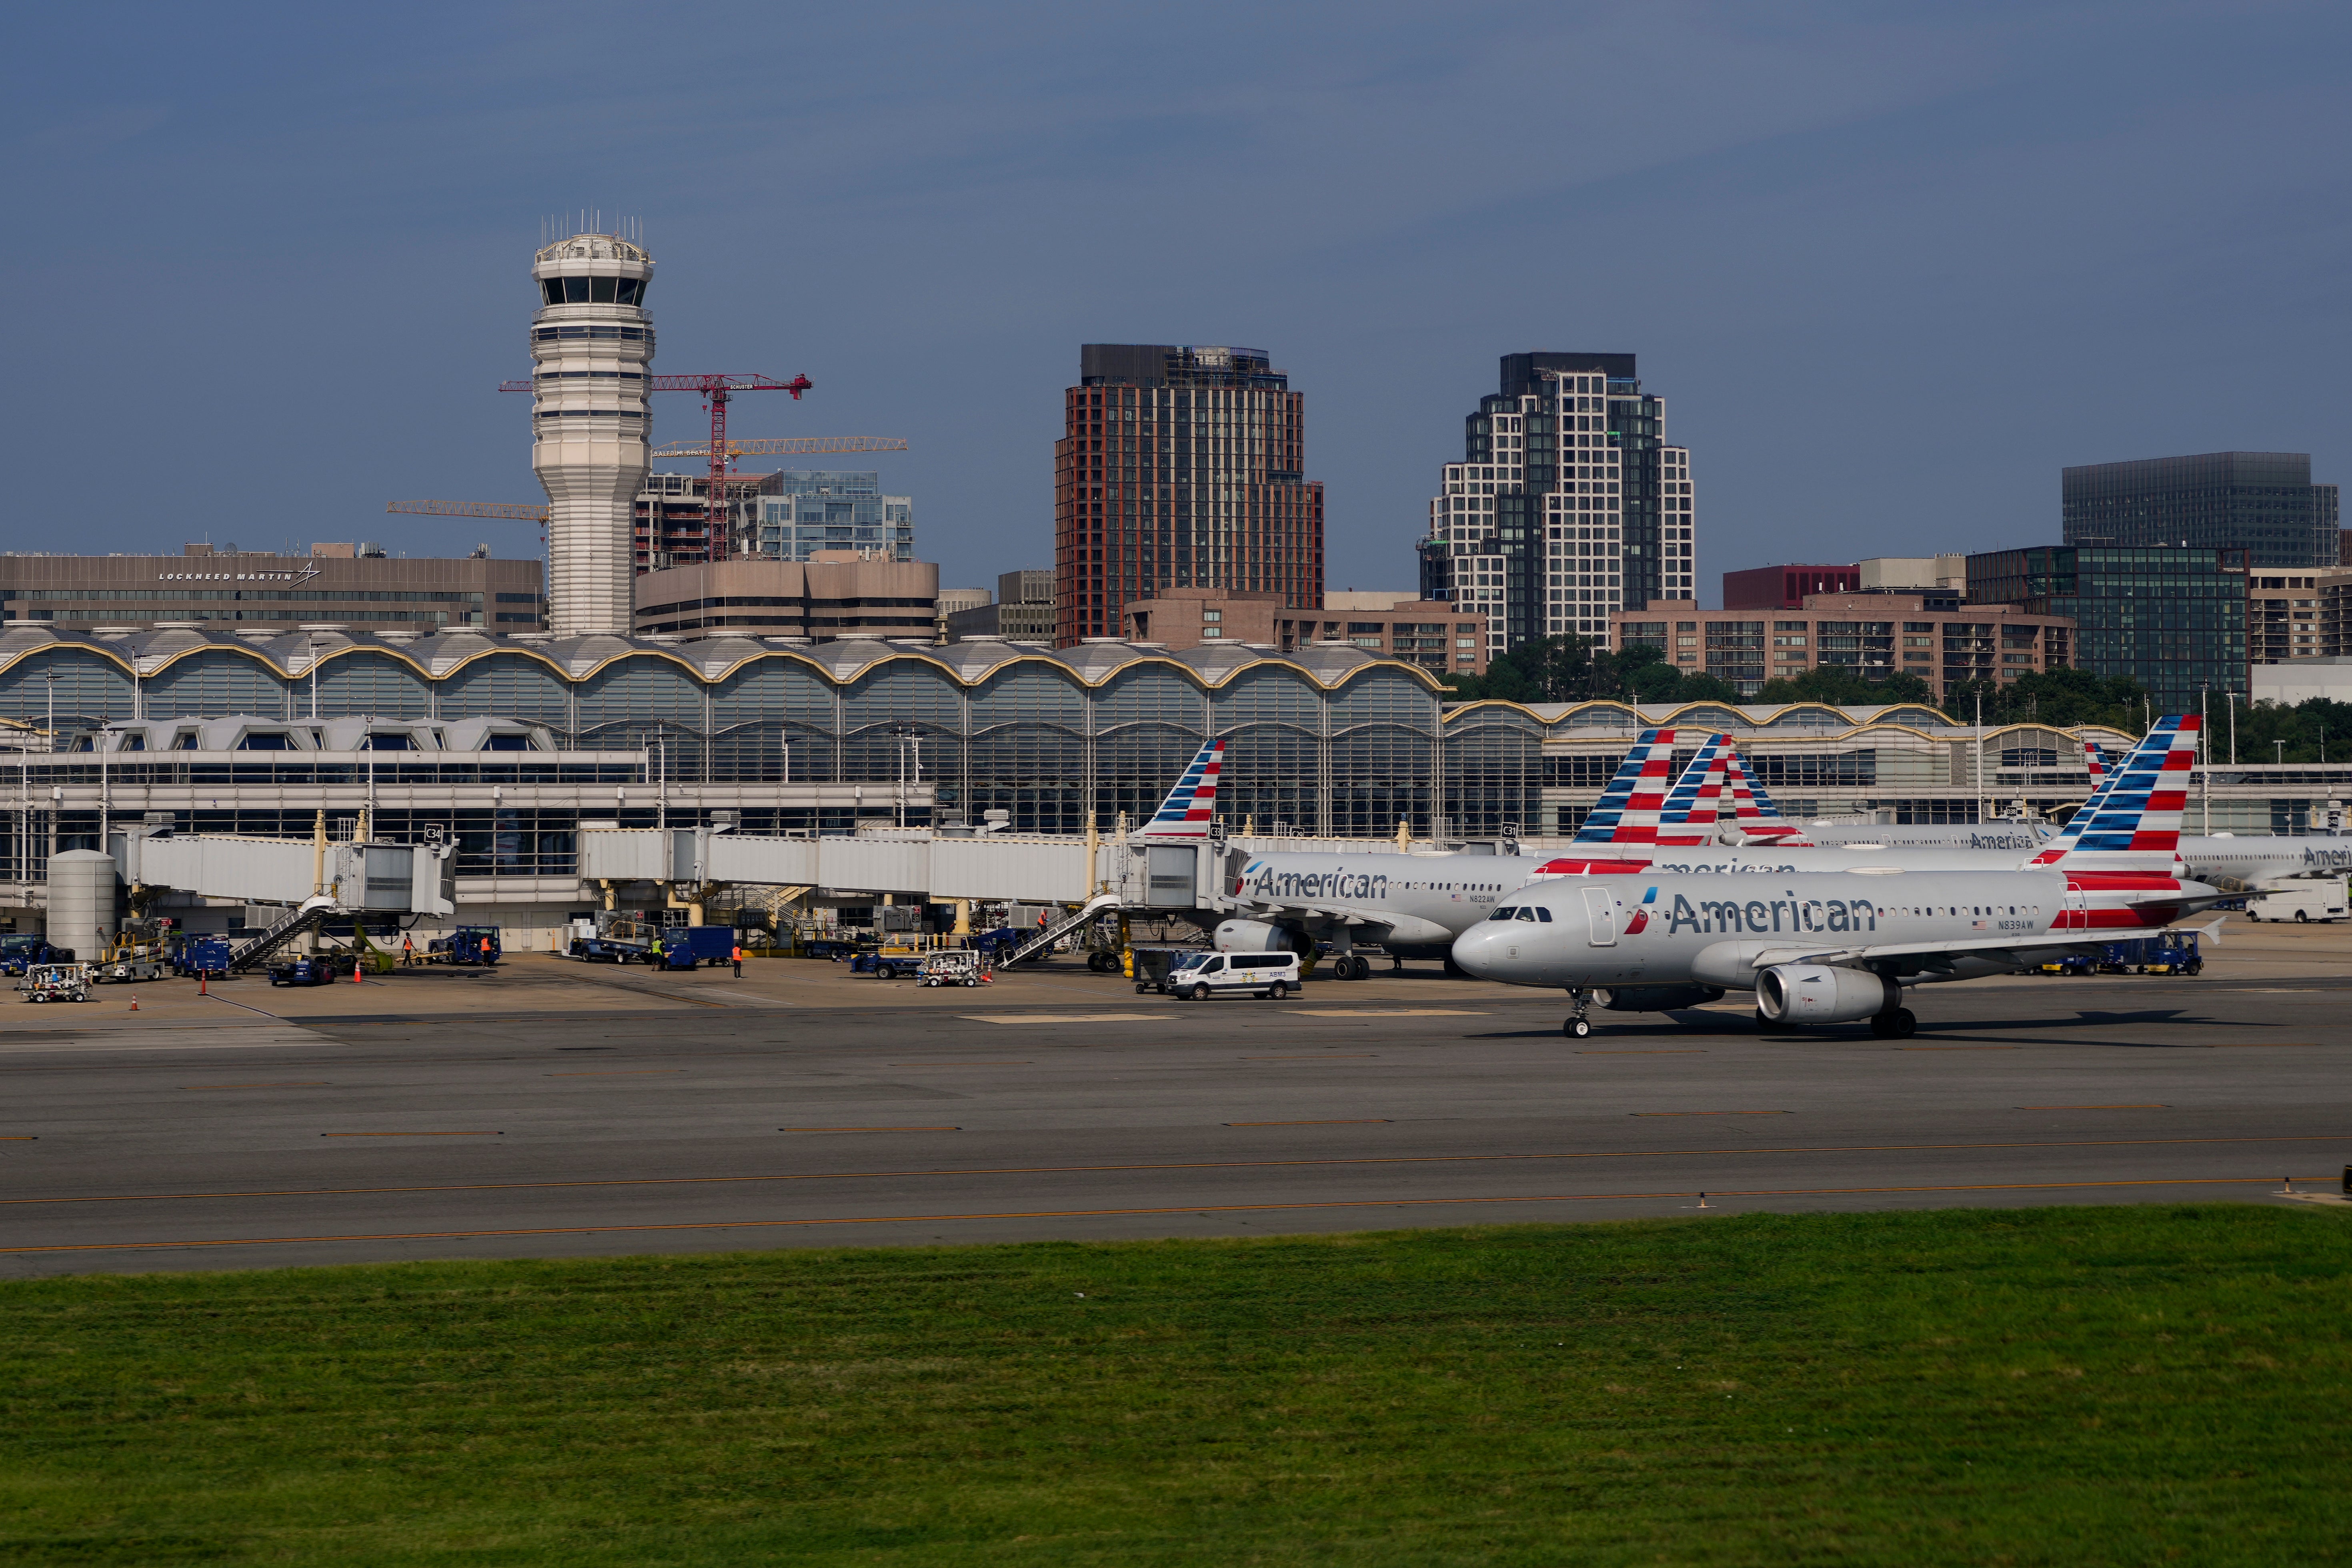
[
  {"x": 687, "y": 947},
  {"x": 953, "y": 966},
  {"x": 464, "y": 947},
  {"x": 889, "y": 962},
  {"x": 55, "y": 983},
  {"x": 2303, "y": 901},
  {"x": 2170, "y": 954},
  {"x": 1271, "y": 975},
  {"x": 20, "y": 954},
  {"x": 1154, "y": 966},
  {"x": 312, "y": 969},
  {"x": 200, "y": 955}
]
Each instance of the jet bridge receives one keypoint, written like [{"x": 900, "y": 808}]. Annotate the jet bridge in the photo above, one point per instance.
[
  {"x": 359, "y": 877},
  {"x": 1012, "y": 868}
]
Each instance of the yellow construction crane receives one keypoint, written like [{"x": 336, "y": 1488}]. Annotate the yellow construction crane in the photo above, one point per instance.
[
  {"x": 786, "y": 446},
  {"x": 471, "y": 508},
  {"x": 757, "y": 446}
]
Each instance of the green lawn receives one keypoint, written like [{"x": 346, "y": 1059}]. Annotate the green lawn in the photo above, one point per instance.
[{"x": 2088, "y": 1385}]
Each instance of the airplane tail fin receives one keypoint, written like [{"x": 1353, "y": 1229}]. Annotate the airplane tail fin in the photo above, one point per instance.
[
  {"x": 1186, "y": 813},
  {"x": 1627, "y": 812},
  {"x": 1752, "y": 812},
  {"x": 2133, "y": 823},
  {"x": 2094, "y": 758},
  {"x": 1688, "y": 814}
]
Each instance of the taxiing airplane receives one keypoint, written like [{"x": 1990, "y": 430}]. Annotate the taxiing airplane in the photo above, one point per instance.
[{"x": 1836, "y": 946}]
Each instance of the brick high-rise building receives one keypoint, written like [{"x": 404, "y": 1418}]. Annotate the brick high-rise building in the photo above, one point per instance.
[{"x": 1179, "y": 468}]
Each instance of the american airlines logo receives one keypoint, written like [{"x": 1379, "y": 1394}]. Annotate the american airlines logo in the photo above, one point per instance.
[{"x": 302, "y": 576}]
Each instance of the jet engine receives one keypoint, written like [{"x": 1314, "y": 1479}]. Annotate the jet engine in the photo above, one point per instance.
[
  {"x": 1656, "y": 998},
  {"x": 1820, "y": 994},
  {"x": 1255, "y": 936}
]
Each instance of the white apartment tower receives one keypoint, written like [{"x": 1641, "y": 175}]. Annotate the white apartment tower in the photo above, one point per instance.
[
  {"x": 591, "y": 349},
  {"x": 1568, "y": 503}
]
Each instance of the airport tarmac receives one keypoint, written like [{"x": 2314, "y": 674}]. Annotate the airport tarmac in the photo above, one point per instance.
[{"x": 547, "y": 1108}]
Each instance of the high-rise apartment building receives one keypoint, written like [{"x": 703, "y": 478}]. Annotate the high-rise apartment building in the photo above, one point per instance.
[
  {"x": 1179, "y": 468},
  {"x": 801, "y": 511},
  {"x": 1568, "y": 502},
  {"x": 2261, "y": 503}
]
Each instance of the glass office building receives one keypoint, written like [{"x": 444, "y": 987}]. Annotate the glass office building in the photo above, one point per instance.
[
  {"x": 2261, "y": 503},
  {"x": 2174, "y": 620},
  {"x": 803, "y": 511}
]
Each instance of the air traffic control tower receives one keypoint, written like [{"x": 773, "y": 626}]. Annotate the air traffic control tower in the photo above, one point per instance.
[{"x": 591, "y": 349}]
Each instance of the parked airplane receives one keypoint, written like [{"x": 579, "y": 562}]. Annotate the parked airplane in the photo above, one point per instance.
[
  {"x": 1824, "y": 947},
  {"x": 1414, "y": 905},
  {"x": 2238, "y": 865}
]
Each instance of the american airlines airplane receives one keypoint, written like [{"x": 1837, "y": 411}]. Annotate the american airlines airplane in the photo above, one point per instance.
[
  {"x": 2252, "y": 864},
  {"x": 1825, "y": 947},
  {"x": 1414, "y": 905}
]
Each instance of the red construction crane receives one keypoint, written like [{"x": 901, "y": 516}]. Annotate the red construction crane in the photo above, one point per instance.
[{"x": 715, "y": 390}]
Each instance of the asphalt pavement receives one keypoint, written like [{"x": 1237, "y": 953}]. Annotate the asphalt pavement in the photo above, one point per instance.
[{"x": 547, "y": 1110}]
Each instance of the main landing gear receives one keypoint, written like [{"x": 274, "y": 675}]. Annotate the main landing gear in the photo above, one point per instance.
[
  {"x": 1895, "y": 1023},
  {"x": 1578, "y": 1027}
]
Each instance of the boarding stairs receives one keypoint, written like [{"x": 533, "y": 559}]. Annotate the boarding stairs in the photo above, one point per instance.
[
  {"x": 304, "y": 916},
  {"x": 1044, "y": 940}
]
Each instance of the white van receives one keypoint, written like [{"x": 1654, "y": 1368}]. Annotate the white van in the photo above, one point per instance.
[
  {"x": 2304, "y": 900},
  {"x": 1272, "y": 974}
]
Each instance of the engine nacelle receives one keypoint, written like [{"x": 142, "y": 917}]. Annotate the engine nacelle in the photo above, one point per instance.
[
  {"x": 1656, "y": 998},
  {"x": 1253, "y": 936},
  {"x": 1821, "y": 994}
]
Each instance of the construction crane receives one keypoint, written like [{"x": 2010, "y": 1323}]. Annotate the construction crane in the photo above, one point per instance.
[
  {"x": 786, "y": 446},
  {"x": 715, "y": 390}
]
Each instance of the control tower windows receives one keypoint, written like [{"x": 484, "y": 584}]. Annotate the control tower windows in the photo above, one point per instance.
[{"x": 593, "y": 290}]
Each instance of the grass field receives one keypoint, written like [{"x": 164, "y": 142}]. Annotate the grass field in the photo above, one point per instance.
[{"x": 2088, "y": 1385}]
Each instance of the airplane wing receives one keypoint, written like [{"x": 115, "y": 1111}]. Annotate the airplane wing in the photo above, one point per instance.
[{"x": 2047, "y": 940}]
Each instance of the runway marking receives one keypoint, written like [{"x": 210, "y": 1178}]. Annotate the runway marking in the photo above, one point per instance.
[
  {"x": 22, "y": 1138},
  {"x": 1203, "y": 1209},
  {"x": 1316, "y": 1057},
  {"x": 618, "y": 1072},
  {"x": 296, "y": 1083},
  {"x": 1332, "y": 1122},
  {"x": 1001, "y": 1063},
  {"x": 1675, "y": 1051},
  {"x": 216, "y": 996},
  {"x": 1710, "y": 1113},
  {"x": 1170, "y": 1165},
  {"x": 412, "y": 1134},
  {"x": 2260, "y": 1046},
  {"x": 869, "y": 1128},
  {"x": 1067, "y": 1017},
  {"x": 1957, "y": 1048},
  {"x": 1388, "y": 1012},
  {"x": 2147, "y": 1107}
]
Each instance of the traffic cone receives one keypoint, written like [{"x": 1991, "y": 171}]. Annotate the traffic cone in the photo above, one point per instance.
[
  {"x": 203, "y": 977},
  {"x": 134, "y": 1001}
]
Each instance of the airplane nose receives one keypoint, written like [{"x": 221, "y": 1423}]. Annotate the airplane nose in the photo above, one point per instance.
[{"x": 1473, "y": 949}]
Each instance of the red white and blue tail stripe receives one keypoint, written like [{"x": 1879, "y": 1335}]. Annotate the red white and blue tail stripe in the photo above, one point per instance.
[
  {"x": 1186, "y": 813},
  {"x": 2133, "y": 823},
  {"x": 1752, "y": 811},
  {"x": 2094, "y": 758},
  {"x": 1627, "y": 812},
  {"x": 1691, "y": 808}
]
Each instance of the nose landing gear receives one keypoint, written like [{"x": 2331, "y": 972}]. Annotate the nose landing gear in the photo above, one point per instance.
[{"x": 1578, "y": 1027}]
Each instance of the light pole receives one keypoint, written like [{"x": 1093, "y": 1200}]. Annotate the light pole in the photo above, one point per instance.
[{"x": 2281, "y": 759}]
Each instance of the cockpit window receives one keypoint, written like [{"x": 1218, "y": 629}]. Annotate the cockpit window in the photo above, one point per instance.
[
  {"x": 1507, "y": 912},
  {"x": 1527, "y": 913}
]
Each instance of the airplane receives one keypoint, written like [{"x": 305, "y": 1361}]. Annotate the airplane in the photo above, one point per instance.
[
  {"x": 1414, "y": 905},
  {"x": 2255, "y": 864},
  {"x": 1838, "y": 946},
  {"x": 1184, "y": 817}
]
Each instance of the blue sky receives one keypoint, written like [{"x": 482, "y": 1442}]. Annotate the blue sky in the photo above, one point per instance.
[{"x": 1892, "y": 266}]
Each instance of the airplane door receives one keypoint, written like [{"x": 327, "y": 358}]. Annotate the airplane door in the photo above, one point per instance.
[{"x": 1600, "y": 914}]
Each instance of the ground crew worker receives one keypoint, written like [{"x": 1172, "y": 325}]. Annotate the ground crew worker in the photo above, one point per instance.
[
  {"x": 739, "y": 961},
  {"x": 407, "y": 952},
  {"x": 485, "y": 949},
  {"x": 657, "y": 952}
]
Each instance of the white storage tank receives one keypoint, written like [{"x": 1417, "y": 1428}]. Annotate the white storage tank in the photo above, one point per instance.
[{"x": 82, "y": 903}]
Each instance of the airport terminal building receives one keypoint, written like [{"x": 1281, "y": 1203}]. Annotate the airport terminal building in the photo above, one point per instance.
[{"x": 509, "y": 745}]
